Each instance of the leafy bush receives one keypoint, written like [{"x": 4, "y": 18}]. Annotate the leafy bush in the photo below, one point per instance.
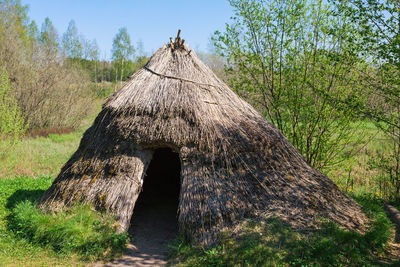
[
  {"x": 294, "y": 63},
  {"x": 274, "y": 244},
  {"x": 12, "y": 125},
  {"x": 79, "y": 230}
]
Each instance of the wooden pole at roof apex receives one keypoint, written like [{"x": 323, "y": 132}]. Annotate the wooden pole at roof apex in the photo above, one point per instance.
[
  {"x": 178, "y": 39},
  {"x": 177, "y": 42}
]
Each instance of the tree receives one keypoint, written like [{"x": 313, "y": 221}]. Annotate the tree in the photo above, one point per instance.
[
  {"x": 15, "y": 14},
  {"x": 292, "y": 60},
  {"x": 94, "y": 54},
  {"x": 33, "y": 31},
  {"x": 47, "y": 92},
  {"x": 122, "y": 51},
  {"x": 48, "y": 37},
  {"x": 86, "y": 47},
  {"x": 71, "y": 42},
  {"x": 378, "y": 24},
  {"x": 140, "y": 49}
]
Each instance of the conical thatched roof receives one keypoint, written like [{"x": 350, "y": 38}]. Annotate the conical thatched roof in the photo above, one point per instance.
[{"x": 234, "y": 163}]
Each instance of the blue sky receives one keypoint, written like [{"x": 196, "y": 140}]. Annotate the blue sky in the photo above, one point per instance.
[{"x": 151, "y": 21}]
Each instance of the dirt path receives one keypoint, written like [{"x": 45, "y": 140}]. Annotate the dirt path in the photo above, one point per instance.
[
  {"x": 152, "y": 230},
  {"x": 393, "y": 248}
]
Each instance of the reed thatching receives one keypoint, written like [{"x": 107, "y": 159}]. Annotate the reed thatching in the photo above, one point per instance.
[{"x": 234, "y": 163}]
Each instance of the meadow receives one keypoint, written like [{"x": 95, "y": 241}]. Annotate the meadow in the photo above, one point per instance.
[
  {"x": 32, "y": 166},
  {"x": 25, "y": 174},
  {"x": 319, "y": 71}
]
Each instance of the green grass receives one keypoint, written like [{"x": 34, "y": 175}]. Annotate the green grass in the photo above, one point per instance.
[
  {"x": 29, "y": 237},
  {"x": 40, "y": 156},
  {"x": 15, "y": 251},
  {"x": 44, "y": 155},
  {"x": 355, "y": 174},
  {"x": 270, "y": 243},
  {"x": 104, "y": 89},
  {"x": 81, "y": 230}
]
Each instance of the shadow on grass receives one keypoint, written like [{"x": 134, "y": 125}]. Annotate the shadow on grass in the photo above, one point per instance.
[
  {"x": 23, "y": 195},
  {"x": 271, "y": 242},
  {"x": 19, "y": 196},
  {"x": 79, "y": 230}
]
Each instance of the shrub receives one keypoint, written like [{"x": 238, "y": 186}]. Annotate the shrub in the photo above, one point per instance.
[
  {"x": 49, "y": 92},
  {"x": 79, "y": 230},
  {"x": 293, "y": 62},
  {"x": 12, "y": 124}
]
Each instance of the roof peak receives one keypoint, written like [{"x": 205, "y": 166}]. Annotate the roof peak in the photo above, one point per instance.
[{"x": 178, "y": 43}]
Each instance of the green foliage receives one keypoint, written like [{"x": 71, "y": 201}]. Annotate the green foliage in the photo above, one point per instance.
[
  {"x": 292, "y": 60},
  {"x": 102, "y": 72},
  {"x": 384, "y": 161},
  {"x": 15, "y": 251},
  {"x": 102, "y": 90},
  {"x": 79, "y": 230},
  {"x": 16, "y": 15},
  {"x": 273, "y": 244},
  {"x": 122, "y": 52},
  {"x": 122, "y": 47},
  {"x": 378, "y": 34},
  {"x": 12, "y": 124},
  {"x": 49, "y": 93},
  {"x": 71, "y": 42},
  {"x": 48, "y": 36},
  {"x": 378, "y": 26}
]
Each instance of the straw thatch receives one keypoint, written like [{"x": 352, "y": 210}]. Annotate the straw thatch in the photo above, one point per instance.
[{"x": 234, "y": 163}]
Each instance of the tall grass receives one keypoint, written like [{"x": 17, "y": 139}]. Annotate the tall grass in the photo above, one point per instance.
[
  {"x": 80, "y": 230},
  {"x": 357, "y": 174},
  {"x": 15, "y": 251},
  {"x": 29, "y": 237}
]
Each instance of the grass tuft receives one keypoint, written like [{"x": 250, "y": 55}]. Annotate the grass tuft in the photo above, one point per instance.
[
  {"x": 29, "y": 237},
  {"x": 79, "y": 230}
]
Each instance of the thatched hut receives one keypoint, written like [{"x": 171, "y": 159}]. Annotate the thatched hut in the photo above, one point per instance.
[{"x": 231, "y": 163}]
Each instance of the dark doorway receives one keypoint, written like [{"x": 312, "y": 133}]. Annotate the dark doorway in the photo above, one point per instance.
[
  {"x": 162, "y": 179},
  {"x": 154, "y": 219}
]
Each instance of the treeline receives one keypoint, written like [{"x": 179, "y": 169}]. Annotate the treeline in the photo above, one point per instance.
[
  {"x": 324, "y": 72},
  {"x": 48, "y": 93},
  {"x": 52, "y": 78},
  {"x": 81, "y": 52}
]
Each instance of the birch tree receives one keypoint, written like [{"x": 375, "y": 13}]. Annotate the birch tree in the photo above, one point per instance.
[{"x": 122, "y": 51}]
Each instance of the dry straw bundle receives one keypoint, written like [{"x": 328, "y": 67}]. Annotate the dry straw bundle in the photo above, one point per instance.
[{"x": 234, "y": 163}]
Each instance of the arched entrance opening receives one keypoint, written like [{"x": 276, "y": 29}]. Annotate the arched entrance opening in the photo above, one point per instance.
[{"x": 155, "y": 214}]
